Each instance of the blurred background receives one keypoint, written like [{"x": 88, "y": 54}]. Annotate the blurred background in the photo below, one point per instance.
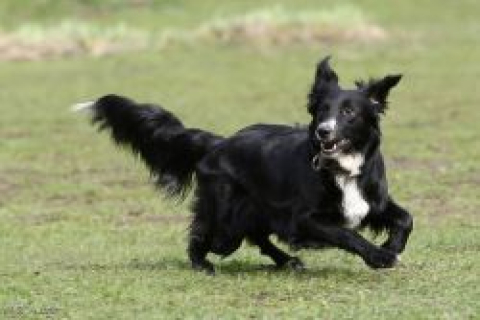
[{"x": 79, "y": 222}]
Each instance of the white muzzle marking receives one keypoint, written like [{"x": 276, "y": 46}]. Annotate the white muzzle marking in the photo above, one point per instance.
[{"x": 329, "y": 125}]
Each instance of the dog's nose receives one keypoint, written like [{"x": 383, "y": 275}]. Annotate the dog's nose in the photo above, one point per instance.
[
  {"x": 322, "y": 133},
  {"x": 324, "y": 129}
]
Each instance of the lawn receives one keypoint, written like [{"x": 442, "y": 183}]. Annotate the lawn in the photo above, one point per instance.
[{"x": 83, "y": 235}]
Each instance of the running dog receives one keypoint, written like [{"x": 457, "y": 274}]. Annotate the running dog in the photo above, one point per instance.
[{"x": 312, "y": 187}]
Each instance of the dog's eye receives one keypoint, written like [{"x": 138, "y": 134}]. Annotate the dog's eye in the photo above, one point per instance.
[{"x": 348, "y": 111}]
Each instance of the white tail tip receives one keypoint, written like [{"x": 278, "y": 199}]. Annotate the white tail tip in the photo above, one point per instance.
[{"x": 83, "y": 106}]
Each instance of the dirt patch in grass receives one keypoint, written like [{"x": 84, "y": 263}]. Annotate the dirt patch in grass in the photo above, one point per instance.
[
  {"x": 275, "y": 26},
  {"x": 137, "y": 218},
  {"x": 472, "y": 180},
  {"x": 440, "y": 207},
  {"x": 429, "y": 165},
  {"x": 7, "y": 189},
  {"x": 69, "y": 198},
  {"x": 13, "y": 48},
  {"x": 14, "y": 180},
  {"x": 14, "y": 133},
  {"x": 38, "y": 219},
  {"x": 278, "y": 27}
]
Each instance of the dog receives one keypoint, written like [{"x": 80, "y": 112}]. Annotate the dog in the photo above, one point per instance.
[{"x": 312, "y": 186}]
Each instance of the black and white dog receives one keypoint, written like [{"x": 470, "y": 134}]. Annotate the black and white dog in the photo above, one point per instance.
[{"x": 312, "y": 187}]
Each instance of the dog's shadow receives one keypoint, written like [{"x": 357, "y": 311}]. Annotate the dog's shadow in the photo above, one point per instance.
[{"x": 232, "y": 268}]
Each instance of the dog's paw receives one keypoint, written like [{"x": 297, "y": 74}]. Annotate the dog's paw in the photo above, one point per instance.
[
  {"x": 204, "y": 266},
  {"x": 293, "y": 263},
  {"x": 393, "y": 246},
  {"x": 381, "y": 258}
]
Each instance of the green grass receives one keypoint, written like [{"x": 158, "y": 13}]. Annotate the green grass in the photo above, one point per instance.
[{"x": 83, "y": 235}]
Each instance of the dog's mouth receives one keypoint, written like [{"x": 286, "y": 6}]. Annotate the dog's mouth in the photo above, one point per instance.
[{"x": 333, "y": 146}]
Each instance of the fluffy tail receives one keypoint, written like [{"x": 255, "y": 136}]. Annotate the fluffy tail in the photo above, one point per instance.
[{"x": 170, "y": 150}]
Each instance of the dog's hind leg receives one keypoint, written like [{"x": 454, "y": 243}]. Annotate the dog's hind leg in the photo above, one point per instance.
[
  {"x": 198, "y": 249},
  {"x": 280, "y": 258},
  {"x": 200, "y": 244},
  {"x": 200, "y": 238},
  {"x": 400, "y": 224}
]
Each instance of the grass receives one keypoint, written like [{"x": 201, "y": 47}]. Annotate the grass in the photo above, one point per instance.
[{"x": 83, "y": 235}]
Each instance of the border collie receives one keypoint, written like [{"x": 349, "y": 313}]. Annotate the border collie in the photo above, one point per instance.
[{"x": 312, "y": 187}]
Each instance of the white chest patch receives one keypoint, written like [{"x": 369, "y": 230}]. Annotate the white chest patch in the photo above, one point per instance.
[
  {"x": 350, "y": 162},
  {"x": 354, "y": 206}
]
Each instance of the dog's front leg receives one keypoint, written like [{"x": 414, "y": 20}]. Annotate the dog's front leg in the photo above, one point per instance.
[
  {"x": 310, "y": 232},
  {"x": 400, "y": 224}
]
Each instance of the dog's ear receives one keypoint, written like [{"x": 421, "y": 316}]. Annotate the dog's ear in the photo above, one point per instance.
[
  {"x": 325, "y": 79},
  {"x": 324, "y": 73},
  {"x": 377, "y": 90}
]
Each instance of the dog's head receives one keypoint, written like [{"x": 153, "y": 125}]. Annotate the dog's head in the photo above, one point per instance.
[{"x": 346, "y": 122}]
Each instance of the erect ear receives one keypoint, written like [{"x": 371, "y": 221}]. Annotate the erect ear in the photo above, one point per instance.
[
  {"x": 325, "y": 73},
  {"x": 377, "y": 90},
  {"x": 325, "y": 79}
]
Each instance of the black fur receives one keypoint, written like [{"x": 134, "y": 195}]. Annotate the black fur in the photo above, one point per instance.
[
  {"x": 273, "y": 179},
  {"x": 158, "y": 137}
]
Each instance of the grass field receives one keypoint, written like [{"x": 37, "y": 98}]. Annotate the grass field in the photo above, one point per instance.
[{"x": 83, "y": 235}]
